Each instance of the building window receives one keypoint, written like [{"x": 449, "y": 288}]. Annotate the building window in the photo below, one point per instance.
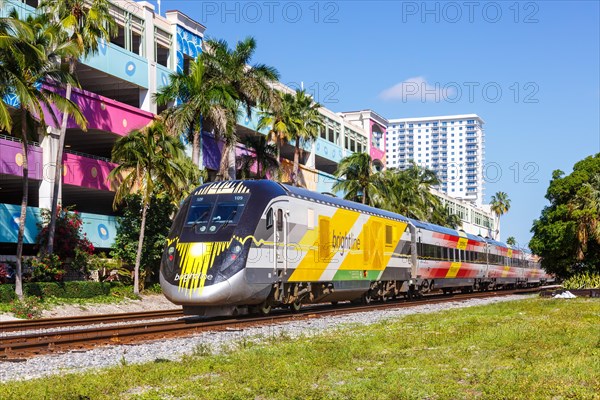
[
  {"x": 162, "y": 47},
  {"x": 130, "y": 33}
]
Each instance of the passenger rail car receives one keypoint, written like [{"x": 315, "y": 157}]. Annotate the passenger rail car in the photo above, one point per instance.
[{"x": 240, "y": 246}]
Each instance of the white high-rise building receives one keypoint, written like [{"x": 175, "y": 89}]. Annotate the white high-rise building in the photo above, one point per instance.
[{"x": 452, "y": 146}]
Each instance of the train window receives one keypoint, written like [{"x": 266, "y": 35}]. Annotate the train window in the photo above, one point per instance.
[
  {"x": 227, "y": 212},
  {"x": 389, "y": 233},
  {"x": 405, "y": 247},
  {"x": 269, "y": 221},
  {"x": 324, "y": 239},
  {"x": 279, "y": 220},
  {"x": 198, "y": 214},
  {"x": 179, "y": 219}
]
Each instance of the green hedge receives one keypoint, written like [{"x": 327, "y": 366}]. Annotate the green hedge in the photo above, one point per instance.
[{"x": 67, "y": 290}]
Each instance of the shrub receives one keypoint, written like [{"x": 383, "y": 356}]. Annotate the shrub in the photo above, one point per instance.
[
  {"x": 67, "y": 237},
  {"x": 7, "y": 293},
  {"x": 29, "y": 308},
  {"x": 584, "y": 280},
  {"x": 65, "y": 290},
  {"x": 47, "y": 268}
]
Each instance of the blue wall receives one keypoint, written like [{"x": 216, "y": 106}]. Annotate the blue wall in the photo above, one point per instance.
[{"x": 100, "y": 229}]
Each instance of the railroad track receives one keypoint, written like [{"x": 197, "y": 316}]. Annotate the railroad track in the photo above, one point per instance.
[
  {"x": 49, "y": 323},
  {"x": 18, "y": 347}
]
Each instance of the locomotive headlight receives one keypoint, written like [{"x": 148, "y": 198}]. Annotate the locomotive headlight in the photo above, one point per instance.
[
  {"x": 197, "y": 249},
  {"x": 170, "y": 252},
  {"x": 236, "y": 249}
]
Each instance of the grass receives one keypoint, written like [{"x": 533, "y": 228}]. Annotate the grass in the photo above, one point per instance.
[{"x": 529, "y": 349}]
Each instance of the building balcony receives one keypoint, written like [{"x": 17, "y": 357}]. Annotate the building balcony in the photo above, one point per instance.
[
  {"x": 328, "y": 150},
  {"x": 87, "y": 171},
  {"x": 11, "y": 158},
  {"x": 105, "y": 114},
  {"x": 123, "y": 64}
]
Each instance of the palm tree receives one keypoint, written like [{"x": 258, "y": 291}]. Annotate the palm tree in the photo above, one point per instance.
[
  {"x": 12, "y": 30},
  {"x": 147, "y": 158},
  {"x": 33, "y": 57},
  {"x": 262, "y": 153},
  {"x": 358, "y": 183},
  {"x": 584, "y": 209},
  {"x": 412, "y": 196},
  {"x": 452, "y": 221},
  {"x": 511, "y": 241},
  {"x": 307, "y": 131},
  {"x": 83, "y": 23},
  {"x": 280, "y": 121},
  {"x": 198, "y": 101},
  {"x": 499, "y": 204},
  {"x": 250, "y": 83}
]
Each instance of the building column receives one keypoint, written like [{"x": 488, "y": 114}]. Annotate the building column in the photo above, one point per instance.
[
  {"x": 311, "y": 161},
  {"x": 146, "y": 101},
  {"x": 49, "y": 145}
]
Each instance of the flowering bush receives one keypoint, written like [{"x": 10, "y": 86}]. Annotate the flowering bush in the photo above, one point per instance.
[
  {"x": 29, "y": 308},
  {"x": 47, "y": 268},
  {"x": 7, "y": 273},
  {"x": 67, "y": 237}
]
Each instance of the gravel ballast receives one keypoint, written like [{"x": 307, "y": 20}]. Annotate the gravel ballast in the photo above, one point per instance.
[{"x": 174, "y": 349}]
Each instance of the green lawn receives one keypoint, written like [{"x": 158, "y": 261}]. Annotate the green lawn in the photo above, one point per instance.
[{"x": 529, "y": 349}]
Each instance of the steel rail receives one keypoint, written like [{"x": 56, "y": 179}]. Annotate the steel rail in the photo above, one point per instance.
[{"x": 48, "y": 323}]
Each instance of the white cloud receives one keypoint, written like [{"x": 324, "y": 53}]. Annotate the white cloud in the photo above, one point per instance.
[{"x": 418, "y": 89}]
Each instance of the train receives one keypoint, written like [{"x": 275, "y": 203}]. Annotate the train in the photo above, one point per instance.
[{"x": 239, "y": 247}]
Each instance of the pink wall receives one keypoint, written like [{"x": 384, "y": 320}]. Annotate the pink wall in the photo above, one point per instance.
[
  {"x": 87, "y": 172},
  {"x": 11, "y": 155},
  {"x": 104, "y": 114}
]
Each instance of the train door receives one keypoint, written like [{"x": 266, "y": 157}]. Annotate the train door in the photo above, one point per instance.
[{"x": 281, "y": 241}]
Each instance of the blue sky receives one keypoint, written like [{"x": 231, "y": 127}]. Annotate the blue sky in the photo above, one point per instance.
[{"x": 542, "y": 56}]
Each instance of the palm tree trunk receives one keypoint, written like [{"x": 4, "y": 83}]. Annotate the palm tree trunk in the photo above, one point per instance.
[
  {"x": 364, "y": 197},
  {"x": 24, "y": 201},
  {"x": 278, "y": 142},
  {"x": 223, "y": 174},
  {"x": 296, "y": 162},
  {"x": 59, "y": 165},
  {"x": 196, "y": 148},
  {"x": 138, "y": 257},
  {"x": 258, "y": 167}
]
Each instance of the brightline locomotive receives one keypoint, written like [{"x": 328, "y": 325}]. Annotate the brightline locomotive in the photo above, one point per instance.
[{"x": 240, "y": 246}]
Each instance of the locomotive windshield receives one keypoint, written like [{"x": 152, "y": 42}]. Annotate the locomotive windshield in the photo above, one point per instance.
[{"x": 210, "y": 213}]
